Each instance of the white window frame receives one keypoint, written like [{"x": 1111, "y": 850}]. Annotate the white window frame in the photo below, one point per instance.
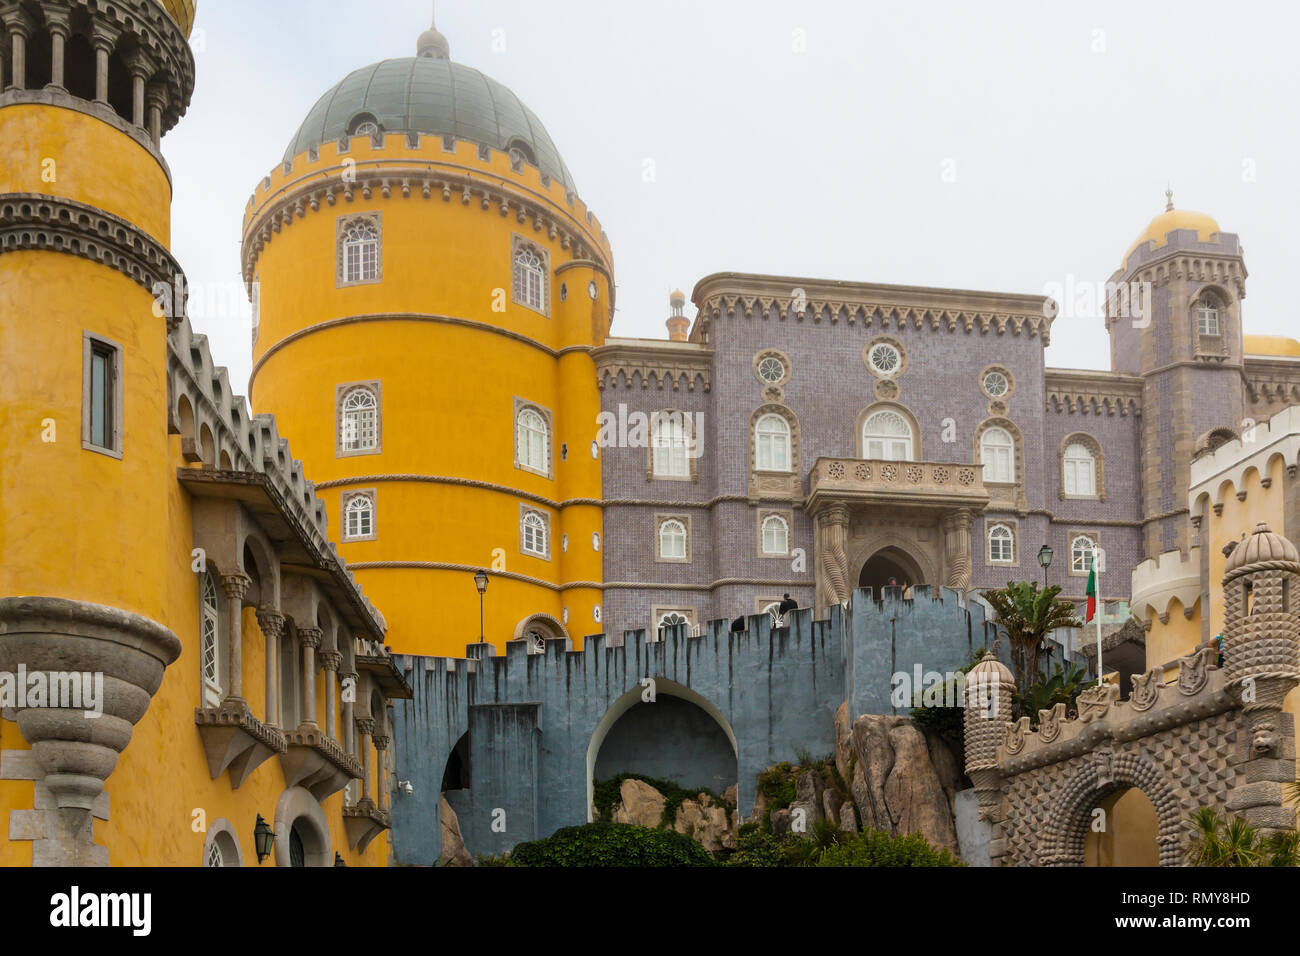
[
  {"x": 361, "y": 506},
  {"x": 892, "y": 446},
  {"x": 670, "y": 445},
  {"x": 210, "y": 641},
  {"x": 773, "y": 448},
  {"x": 360, "y": 249},
  {"x": 1079, "y": 471},
  {"x": 1207, "y": 315},
  {"x": 533, "y": 441},
  {"x": 534, "y": 533},
  {"x": 678, "y": 530},
  {"x": 530, "y": 276},
  {"x": 660, "y": 614},
  {"x": 354, "y": 420},
  {"x": 774, "y": 520},
  {"x": 1081, "y": 567},
  {"x": 998, "y": 458},
  {"x": 1007, "y": 539}
]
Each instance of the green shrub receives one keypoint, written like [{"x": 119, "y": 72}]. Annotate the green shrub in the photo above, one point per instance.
[
  {"x": 877, "y": 848},
  {"x": 612, "y": 844},
  {"x": 777, "y": 785},
  {"x": 757, "y": 847}
]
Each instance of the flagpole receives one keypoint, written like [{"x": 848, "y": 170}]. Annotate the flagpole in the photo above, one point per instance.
[{"x": 1096, "y": 570}]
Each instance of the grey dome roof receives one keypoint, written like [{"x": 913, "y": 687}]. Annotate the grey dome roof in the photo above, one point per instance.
[{"x": 434, "y": 96}]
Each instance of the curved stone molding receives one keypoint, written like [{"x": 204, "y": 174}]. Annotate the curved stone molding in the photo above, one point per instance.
[
  {"x": 296, "y": 804},
  {"x": 31, "y": 221},
  {"x": 77, "y": 753}
]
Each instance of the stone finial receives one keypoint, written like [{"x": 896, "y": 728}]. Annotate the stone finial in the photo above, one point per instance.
[
  {"x": 1169, "y": 199},
  {"x": 989, "y": 690}
]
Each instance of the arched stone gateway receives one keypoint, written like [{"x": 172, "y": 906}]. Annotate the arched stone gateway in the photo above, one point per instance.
[
  {"x": 643, "y": 734},
  {"x": 891, "y": 564},
  {"x": 1064, "y": 836}
]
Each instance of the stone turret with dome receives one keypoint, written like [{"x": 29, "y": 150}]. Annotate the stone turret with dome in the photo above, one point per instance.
[{"x": 431, "y": 95}]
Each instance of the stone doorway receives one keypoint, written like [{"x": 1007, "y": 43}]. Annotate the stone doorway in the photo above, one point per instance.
[{"x": 890, "y": 565}]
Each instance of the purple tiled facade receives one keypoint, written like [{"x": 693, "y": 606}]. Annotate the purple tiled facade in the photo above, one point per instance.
[{"x": 1171, "y": 392}]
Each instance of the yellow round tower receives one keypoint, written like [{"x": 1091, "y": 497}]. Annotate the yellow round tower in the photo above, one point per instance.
[
  {"x": 85, "y": 207},
  {"x": 428, "y": 289}
]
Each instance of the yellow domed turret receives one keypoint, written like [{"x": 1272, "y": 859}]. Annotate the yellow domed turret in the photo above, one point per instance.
[
  {"x": 182, "y": 11},
  {"x": 1172, "y": 219}
]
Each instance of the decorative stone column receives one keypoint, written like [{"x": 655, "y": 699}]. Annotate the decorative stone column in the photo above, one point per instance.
[
  {"x": 381, "y": 771},
  {"x": 104, "y": 39},
  {"x": 141, "y": 67},
  {"x": 989, "y": 690},
  {"x": 348, "y": 726},
  {"x": 833, "y": 585},
  {"x": 58, "y": 20},
  {"x": 956, "y": 548},
  {"x": 124, "y": 655},
  {"x": 155, "y": 98},
  {"x": 367, "y": 727},
  {"x": 330, "y": 661},
  {"x": 309, "y": 639},
  {"x": 19, "y": 26},
  {"x": 235, "y": 584},
  {"x": 1261, "y": 638},
  {"x": 272, "y": 624}
]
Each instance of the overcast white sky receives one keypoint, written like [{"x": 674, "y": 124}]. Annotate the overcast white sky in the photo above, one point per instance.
[{"x": 1058, "y": 127}]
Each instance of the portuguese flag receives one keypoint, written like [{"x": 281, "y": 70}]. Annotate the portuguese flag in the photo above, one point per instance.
[{"x": 1092, "y": 589}]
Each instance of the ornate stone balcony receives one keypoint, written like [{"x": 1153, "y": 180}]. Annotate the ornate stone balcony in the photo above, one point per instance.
[
  {"x": 235, "y": 740},
  {"x": 939, "y": 486},
  {"x": 314, "y": 761},
  {"x": 373, "y": 658},
  {"x": 364, "y": 821}
]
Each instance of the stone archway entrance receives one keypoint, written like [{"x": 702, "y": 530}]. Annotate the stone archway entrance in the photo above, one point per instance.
[
  {"x": 1105, "y": 775},
  {"x": 1124, "y": 832},
  {"x": 680, "y": 736},
  {"x": 890, "y": 565}
]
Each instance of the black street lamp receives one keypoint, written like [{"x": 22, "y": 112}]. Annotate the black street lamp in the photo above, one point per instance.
[
  {"x": 480, "y": 582},
  {"x": 1045, "y": 559},
  {"x": 263, "y": 838}
]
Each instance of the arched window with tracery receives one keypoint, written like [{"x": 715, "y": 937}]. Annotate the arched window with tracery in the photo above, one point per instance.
[{"x": 887, "y": 436}]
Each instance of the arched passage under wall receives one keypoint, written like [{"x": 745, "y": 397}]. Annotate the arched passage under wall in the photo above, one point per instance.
[
  {"x": 1124, "y": 832},
  {"x": 687, "y": 731},
  {"x": 890, "y": 564}
]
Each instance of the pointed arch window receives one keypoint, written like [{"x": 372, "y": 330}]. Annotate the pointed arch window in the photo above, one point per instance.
[
  {"x": 998, "y": 455},
  {"x": 772, "y": 443},
  {"x": 210, "y": 641},
  {"x": 887, "y": 436}
]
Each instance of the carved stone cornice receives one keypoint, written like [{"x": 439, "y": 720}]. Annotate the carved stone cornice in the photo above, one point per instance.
[
  {"x": 153, "y": 32},
  {"x": 1095, "y": 393},
  {"x": 936, "y": 486},
  {"x": 651, "y": 362},
  {"x": 364, "y": 821},
  {"x": 778, "y": 298},
  {"x": 32, "y": 221},
  {"x": 314, "y": 761},
  {"x": 404, "y": 177}
]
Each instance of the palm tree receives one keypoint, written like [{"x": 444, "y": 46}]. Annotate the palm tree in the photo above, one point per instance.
[
  {"x": 1238, "y": 843},
  {"x": 1027, "y": 615}
]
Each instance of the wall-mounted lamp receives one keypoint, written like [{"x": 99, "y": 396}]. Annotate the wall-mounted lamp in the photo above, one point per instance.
[{"x": 263, "y": 839}]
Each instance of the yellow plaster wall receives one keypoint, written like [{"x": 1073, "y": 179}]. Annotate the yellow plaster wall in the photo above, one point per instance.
[{"x": 1129, "y": 838}]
